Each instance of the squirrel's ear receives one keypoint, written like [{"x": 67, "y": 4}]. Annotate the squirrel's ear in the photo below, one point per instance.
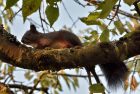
[{"x": 32, "y": 28}]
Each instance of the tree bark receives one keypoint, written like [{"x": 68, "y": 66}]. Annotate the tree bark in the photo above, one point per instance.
[
  {"x": 19, "y": 55},
  {"x": 4, "y": 89}
]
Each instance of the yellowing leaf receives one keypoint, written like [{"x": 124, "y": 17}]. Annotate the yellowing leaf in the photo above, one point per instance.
[
  {"x": 129, "y": 2},
  {"x": 134, "y": 83},
  {"x": 10, "y": 14},
  {"x": 29, "y": 7},
  {"x": 107, "y": 7},
  {"x": 52, "y": 13},
  {"x": 126, "y": 84},
  {"x": 28, "y": 75}
]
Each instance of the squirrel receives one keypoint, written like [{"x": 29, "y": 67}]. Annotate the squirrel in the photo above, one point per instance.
[
  {"x": 115, "y": 72},
  {"x": 61, "y": 39}
]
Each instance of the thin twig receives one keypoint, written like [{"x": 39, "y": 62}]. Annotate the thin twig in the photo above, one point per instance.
[
  {"x": 122, "y": 12},
  {"x": 78, "y": 2},
  {"x": 44, "y": 15},
  {"x": 9, "y": 77},
  {"x": 135, "y": 62},
  {"x": 128, "y": 14},
  {"x": 68, "y": 13},
  {"x": 116, "y": 12},
  {"x": 41, "y": 19},
  {"x": 72, "y": 75},
  {"x": 74, "y": 23},
  {"x": 32, "y": 21},
  {"x": 16, "y": 13}
]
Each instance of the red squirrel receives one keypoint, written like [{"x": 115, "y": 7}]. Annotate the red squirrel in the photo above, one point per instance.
[
  {"x": 115, "y": 72},
  {"x": 60, "y": 39}
]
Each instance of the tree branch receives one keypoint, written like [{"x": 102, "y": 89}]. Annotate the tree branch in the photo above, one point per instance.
[
  {"x": 17, "y": 54},
  {"x": 24, "y": 87},
  {"x": 4, "y": 89}
]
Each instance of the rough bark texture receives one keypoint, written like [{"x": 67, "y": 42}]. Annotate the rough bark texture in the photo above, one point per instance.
[
  {"x": 4, "y": 89},
  {"x": 17, "y": 54}
]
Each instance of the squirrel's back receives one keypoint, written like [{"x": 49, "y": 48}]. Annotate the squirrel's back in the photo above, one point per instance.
[
  {"x": 58, "y": 39},
  {"x": 64, "y": 35}
]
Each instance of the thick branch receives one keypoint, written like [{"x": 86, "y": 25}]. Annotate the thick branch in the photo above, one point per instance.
[
  {"x": 13, "y": 52},
  {"x": 4, "y": 89}
]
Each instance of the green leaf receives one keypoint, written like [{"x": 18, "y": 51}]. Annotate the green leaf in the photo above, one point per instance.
[
  {"x": 97, "y": 88},
  {"x": 92, "y": 19},
  {"x": 10, "y": 3},
  {"x": 107, "y": 7},
  {"x": 119, "y": 25},
  {"x": 114, "y": 32},
  {"x": 67, "y": 80},
  {"x": 94, "y": 34},
  {"x": 44, "y": 83},
  {"x": 90, "y": 22},
  {"x": 35, "y": 81},
  {"x": 93, "y": 16},
  {"x": 103, "y": 26},
  {"x": 76, "y": 81},
  {"x": 59, "y": 86},
  {"x": 52, "y": 2},
  {"x": 0, "y": 20},
  {"x": 29, "y": 7},
  {"x": 87, "y": 37},
  {"x": 105, "y": 36},
  {"x": 129, "y": 2},
  {"x": 52, "y": 13}
]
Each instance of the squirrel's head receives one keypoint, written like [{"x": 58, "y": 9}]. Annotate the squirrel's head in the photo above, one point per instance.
[{"x": 31, "y": 36}]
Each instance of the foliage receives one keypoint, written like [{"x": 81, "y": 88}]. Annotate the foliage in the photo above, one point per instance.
[
  {"x": 96, "y": 88},
  {"x": 106, "y": 17},
  {"x": 29, "y": 7}
]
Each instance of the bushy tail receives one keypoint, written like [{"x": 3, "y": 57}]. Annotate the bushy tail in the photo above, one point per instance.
[{"x": 115, "y": 73}]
